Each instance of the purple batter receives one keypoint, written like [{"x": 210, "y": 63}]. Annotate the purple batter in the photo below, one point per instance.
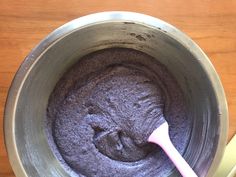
[{"x": 102, "y": 111}]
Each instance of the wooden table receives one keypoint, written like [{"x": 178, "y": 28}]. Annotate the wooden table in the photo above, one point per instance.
[{"x": 212, "y": 24}]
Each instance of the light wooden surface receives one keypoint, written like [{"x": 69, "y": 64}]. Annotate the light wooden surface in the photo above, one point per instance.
[{"x": 212, "y": 24}]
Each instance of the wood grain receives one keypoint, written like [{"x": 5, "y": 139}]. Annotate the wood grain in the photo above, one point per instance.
[{"x": 212, "y": 24}]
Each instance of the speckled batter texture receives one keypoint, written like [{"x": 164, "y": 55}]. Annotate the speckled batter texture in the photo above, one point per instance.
[{"x": 103, "y": 109}]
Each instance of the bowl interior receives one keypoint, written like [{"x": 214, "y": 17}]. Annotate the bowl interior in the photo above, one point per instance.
[{"x": 31, "y": 140}]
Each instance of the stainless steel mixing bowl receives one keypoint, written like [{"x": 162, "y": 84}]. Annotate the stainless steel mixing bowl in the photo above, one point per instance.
[{"x": 26, "y": 142}]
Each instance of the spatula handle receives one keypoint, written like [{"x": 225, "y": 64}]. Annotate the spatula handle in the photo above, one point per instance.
[{"x": 161, "y": 137}]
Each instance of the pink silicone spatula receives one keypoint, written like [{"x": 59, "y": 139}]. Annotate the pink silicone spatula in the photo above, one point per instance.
[{"x": 160, "y": 136}]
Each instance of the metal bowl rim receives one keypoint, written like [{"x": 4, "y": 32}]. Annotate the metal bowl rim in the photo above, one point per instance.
[{"x": 106, "y": 17}]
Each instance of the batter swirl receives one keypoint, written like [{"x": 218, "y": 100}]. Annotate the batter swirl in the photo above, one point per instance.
[{"x": 102, "y": 111}]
